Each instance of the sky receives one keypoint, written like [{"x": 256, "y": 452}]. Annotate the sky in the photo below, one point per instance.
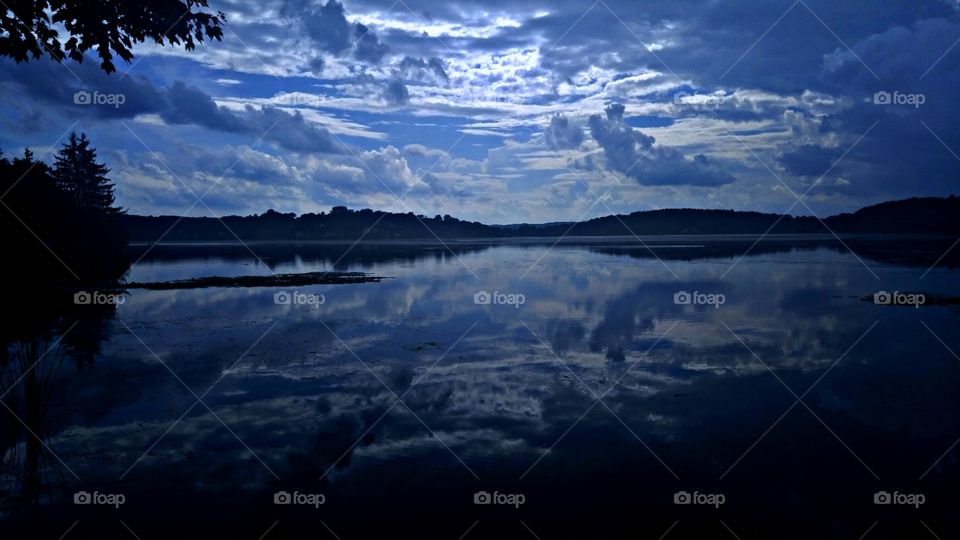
[{"x": 508, "y": 112}]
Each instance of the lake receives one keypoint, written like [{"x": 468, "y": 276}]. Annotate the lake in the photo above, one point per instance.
[{"x": 590, "y": 389}]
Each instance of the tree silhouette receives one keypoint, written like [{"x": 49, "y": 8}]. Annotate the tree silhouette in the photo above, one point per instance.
[
  {"x": 28, "y": 27},
  {"x": 63, "y": 232},
  {"x": 83, "y": 179}
]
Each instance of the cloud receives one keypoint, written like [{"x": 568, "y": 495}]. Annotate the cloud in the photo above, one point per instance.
[
  {"x": 418, "y": 69},
  {"x": 368, "y": 47},
  {"x": 180, "y": 104},
  {"x": 723, "y": 89},
  {"x": 561, "y": 134},
  {"x": 389, "y": 167},
  {"x": 809, "y": 160},
  {"x": 316, "y": 65},
  {"x": 895, "y": 150},
  {"x": 631, "y": 152},
  {"x": 188, "y": 105},
  {"x": 618, "y": 140},
  {"x": 329, "y": 29},
  {"x": 290, "y": 130},
  {"x": 396, "y": 93}
]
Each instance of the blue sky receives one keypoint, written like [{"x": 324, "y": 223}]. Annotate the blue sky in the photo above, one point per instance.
[{"x": 519, "y": 111}]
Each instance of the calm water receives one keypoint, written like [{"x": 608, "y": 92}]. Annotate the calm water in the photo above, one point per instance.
[{"x": 792, "y": 402}]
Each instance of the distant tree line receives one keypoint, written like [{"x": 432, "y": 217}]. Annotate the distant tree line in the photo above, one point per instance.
[
  {"x": 339, "y": 224},
  {"x": 60, "y": 223},
  {"x": 931, "y": 215}
]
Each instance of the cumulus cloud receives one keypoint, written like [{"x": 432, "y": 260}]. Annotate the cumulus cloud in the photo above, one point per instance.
[
  {"x": 631, "y": 152},
  {"x": 368, "y": 47},
  {"x": 418, "y": 69},
  {"x": 619, "y": 141},
  {"x": 388, "y": 166},
  {"x": 396, "y": 93},
  {"x": 330, "y": 30},
  {"x": 316, "y": 65},
  {"x": 561, "y": 134}
]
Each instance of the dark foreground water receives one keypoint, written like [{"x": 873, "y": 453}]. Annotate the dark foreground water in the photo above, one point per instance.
[{"x": 585, "y": 400}]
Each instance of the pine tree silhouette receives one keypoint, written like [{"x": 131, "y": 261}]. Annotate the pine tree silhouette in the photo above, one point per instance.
[{"x": 81, "y": 177}]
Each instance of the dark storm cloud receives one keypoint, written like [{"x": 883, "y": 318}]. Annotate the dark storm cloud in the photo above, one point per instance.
[
  {"x": 560, "y": 133},
  {"x": 316, "y": 65},
  {"x": 290, "y": 130},
  {"x": 55, "y": 85},
  {"x": 809, "y": 160},
  {"x": 189, "y": 105},
  {"x": 329, "y": 30},
  {"x": 906, "y": 149},
  {"x": 181, "y": 104},
  {"x": 419, "y": 69},
  {"x": 396, "y": 93},
  {"x": 712, "y": 43},
  {"x": 368, "y": 47}
]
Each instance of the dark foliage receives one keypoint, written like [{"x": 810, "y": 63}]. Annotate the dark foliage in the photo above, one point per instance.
[
  {"x": 61, "y": 225},
  {"x": 930, "y": 215},
  {"x": 339, "y": 224},
  {"x": 912, "y": 216},
  {"x": 111, "y": 27},
  {"x": 82, "y": 178}
]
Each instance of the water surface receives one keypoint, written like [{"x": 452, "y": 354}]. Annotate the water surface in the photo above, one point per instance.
[{"x": 597, "y": 398}]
